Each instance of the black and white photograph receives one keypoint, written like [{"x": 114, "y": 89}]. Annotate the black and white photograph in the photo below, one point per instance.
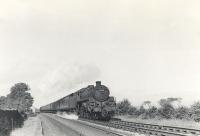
[{"x": 99, "y": 68}]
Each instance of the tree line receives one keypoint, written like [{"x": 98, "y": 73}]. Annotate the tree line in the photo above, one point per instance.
[
  {"x": 164, "y": 110},
  {"x": 18, "y": 99}
]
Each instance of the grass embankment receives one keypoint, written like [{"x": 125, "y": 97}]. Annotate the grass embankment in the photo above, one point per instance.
[{"x": 164, "y": 122}]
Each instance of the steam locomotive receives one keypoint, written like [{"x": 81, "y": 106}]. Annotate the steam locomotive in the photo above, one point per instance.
[{"x": 92, "y": 102}]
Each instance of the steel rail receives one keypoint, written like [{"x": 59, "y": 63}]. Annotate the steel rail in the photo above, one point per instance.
[{"x": 151, "y": 129}]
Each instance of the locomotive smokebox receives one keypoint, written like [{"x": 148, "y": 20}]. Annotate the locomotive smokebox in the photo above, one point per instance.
[
  {"x": 98, "y": 83},
  {"x": 101, "y": 92}
]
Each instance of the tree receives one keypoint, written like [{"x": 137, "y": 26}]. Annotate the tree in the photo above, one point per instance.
[
  {"x": 2, "y": 102},
  {"x": 142, "y": 109},
  {"x": 147, "y": 104},
  {"x": 167, "y": 110},
  {"x": 168, "y": 101},
  {"x": 19, "y": 98},
  {"x": 123, "y": 107},
  {"x": 195, "y": 111},
  {"x": 153, "y": 112}
]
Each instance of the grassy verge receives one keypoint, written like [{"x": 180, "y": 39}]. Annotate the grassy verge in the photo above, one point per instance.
[{"x": 171, "y": 122}]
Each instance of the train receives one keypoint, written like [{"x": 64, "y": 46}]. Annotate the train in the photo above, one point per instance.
[{"x": 91, "y": 102}]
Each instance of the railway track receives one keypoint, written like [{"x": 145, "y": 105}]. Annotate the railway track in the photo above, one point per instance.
[
  {"x": 150, "y": 129},
  {"x": 107, "y": 131}
]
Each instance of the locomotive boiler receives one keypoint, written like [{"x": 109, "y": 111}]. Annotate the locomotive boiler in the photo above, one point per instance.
[{"x": 93, "y": 102}]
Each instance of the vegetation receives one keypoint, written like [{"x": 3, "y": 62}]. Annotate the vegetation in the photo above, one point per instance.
[
  {"x": 10, "y": 120},
  {"x": 19, "y": 98},
  {"x": 14, "y": 107},
  {"x": 166, "y": 109}
]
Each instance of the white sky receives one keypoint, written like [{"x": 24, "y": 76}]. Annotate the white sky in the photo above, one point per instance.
[{"x": 141, "y": 49}]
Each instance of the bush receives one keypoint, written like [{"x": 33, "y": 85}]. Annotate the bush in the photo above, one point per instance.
[
  {"x": 132, "y": 110},
  {"x": 10, "y": 120},
  {"x": 167, "y": 111},
  {"x": 182, "y": 113}
]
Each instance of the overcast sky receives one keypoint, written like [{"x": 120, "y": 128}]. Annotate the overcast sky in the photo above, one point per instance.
[{"x": 141, "y": 49}]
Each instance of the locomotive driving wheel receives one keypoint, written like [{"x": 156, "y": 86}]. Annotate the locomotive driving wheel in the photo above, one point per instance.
[{"x": 105, "y": 115}]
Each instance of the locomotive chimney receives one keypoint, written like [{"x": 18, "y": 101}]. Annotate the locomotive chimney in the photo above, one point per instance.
[{"x": 98, "y": 83}]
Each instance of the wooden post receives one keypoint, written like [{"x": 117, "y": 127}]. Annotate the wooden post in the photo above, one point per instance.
[{"x": 12, "y": 123}]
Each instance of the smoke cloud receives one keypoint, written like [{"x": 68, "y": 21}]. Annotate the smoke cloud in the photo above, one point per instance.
[
  {"x": 65, "y": 79},
  {"x": 67, "y": 115}
]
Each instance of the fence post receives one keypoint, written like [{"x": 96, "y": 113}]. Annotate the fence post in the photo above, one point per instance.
[{"x": 12, "y": 123}]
